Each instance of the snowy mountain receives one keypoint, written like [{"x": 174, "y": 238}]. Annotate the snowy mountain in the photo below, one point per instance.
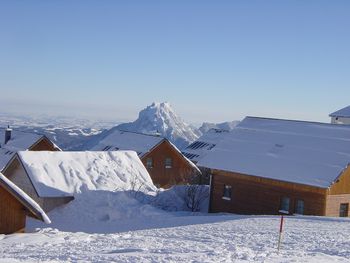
[
  {"x": 229, "y": 125},
  {"x": 160, "y": 118}
]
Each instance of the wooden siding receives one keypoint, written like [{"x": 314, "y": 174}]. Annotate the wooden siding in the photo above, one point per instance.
[
  {"x": 43, "y": 144},
  {"x": 338, "y": 193},
  {"x": 257, "y": 195},
  {"x": 12, "y": 213},
  {"x": 181, "y": 171}
]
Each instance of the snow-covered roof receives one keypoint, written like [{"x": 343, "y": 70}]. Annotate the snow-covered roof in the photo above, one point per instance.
[
  {"x": 138, "y": 142},
  {"x": 199, "y": 148},
  {"x": 23, "y": 198},
  {"x": 124, "y": 140},
  {"x": 302, "y": 152},
  {"x": 56, "y": 174},
  {"x": 19, "y": 141},
  {"x": 344, "y": 112}
]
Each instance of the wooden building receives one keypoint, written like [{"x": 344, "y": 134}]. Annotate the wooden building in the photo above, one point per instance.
[
  {"x": 14, "y": 140},
  {"x": 53, "y": 178},
  {"x": 15, "y": 205},
  {"x": 265, "y": 166},
  {"x": 166, "y": 165}
]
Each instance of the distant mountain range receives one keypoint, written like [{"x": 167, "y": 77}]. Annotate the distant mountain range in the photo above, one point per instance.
[{"x": 82, "y": 134}]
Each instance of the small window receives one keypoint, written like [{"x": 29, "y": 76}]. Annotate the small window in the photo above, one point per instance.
[
  {"x": 149, "y": 163},
  {"x": 284, "y": 207},
  {"x": 344, "y": 210},
  {"x": 168, "y": 163},
  {"x": 227, "y": 192},
  {"x": 299, "y": 207}
]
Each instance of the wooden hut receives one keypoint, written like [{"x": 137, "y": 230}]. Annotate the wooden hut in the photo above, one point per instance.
[
  {"x": 14, "y": 140},
  {"x": 267, "y": 165},
  {"x": 166, "y": 165}
]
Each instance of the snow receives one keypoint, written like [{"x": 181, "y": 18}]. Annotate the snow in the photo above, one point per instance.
[
  {"x": 294, "y": 151},
  {"x": 344, "y": 112},
  {"x": 56, "y": 174},
  {"x": 161, "y": 118},
  {"x": 188, "y": 238},
  {"x": 228, "y": 126},
  {"x": 19, "y": 141},
  {"x": 123, "y": 140},
  {"x": 29, "y": 201},
  {"x": 211, "y": 138}
]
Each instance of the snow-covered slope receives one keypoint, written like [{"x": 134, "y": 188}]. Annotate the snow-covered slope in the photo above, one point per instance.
[
  {"x": 161, "y": 118},
  {"x": 179, "y": 238},
  {"x": 229, "y": 125}
]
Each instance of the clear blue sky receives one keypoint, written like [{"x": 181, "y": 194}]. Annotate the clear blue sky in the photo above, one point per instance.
[{"x": 212, "y": 60}]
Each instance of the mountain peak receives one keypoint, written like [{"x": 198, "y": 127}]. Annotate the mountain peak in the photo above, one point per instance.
[{"x": 160, "y": 118}]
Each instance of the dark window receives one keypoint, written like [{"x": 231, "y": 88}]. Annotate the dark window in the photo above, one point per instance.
[
  {"x": 285, "y": 201},
  {"x": 149, "y": 163},
  {"x": 168, "y": 163},
  {"x": 107, "y": 148},
  {"x": 344, "y": 210},
  {"x": 299, "y": 207},
  {"x": 227, "y": 192}
]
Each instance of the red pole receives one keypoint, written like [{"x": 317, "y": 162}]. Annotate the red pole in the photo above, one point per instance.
[
  {"x": 281, "y": 224},
  {"x": 280, "y": 235}
]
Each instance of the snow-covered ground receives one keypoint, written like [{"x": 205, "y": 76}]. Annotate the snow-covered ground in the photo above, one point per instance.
[
  {"x": 186, "y": 238},
  {"x": 103, "y": 226}
]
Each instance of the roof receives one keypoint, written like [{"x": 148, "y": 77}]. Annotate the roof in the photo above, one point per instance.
[
  {"x": 124, "y": 140},
  {"x": 301, "y": 152},
  {"x": 199, "y": 148},
  {"x": 138, "y": 142},
  {"x": 58, "y": 174},
  {"x": 19, "y": 141},
  {"x": 23, "y": 198},
  {"x": 344, "y": 112}
]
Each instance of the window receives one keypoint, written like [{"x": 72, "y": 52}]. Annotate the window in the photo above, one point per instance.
[
  {"x": 227, "y": 192},
  {"x": 344, "y": 210},
  {"x": 299, "y": 207},
  {"x": 149, "y": 163},
  {"x": 284, "y": 207},
  {"x": 168, "y": 163}
]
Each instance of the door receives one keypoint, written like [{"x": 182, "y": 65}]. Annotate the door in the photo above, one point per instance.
[{"x": 344, "y": 210}]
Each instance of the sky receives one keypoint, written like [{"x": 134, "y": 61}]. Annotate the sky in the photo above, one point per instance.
[{"x": 212, "y": 60}]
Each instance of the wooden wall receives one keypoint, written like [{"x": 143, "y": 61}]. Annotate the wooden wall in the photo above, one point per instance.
[
  {"x": 12, "y": 213},
  {"x": 43, "y": 145},
  {"x": 257, "y": 195},
  {"x": 180, "y": 173},
  {"x": 338, "y": 193}
]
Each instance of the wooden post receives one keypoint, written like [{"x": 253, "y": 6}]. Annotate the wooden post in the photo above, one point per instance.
[{"x": 280, "y": 234}]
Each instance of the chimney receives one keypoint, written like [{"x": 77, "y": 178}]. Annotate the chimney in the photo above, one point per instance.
[{"x": 8, "y": 132}]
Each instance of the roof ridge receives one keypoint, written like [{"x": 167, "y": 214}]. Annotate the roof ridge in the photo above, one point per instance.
[{"x": 302, "y": 121}]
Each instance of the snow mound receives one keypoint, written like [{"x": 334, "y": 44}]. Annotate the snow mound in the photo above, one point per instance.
[
  {"x": 56, "y": 174},
  {"x": 100, "y": 212},
  {"x": 160, "y": 118}
]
